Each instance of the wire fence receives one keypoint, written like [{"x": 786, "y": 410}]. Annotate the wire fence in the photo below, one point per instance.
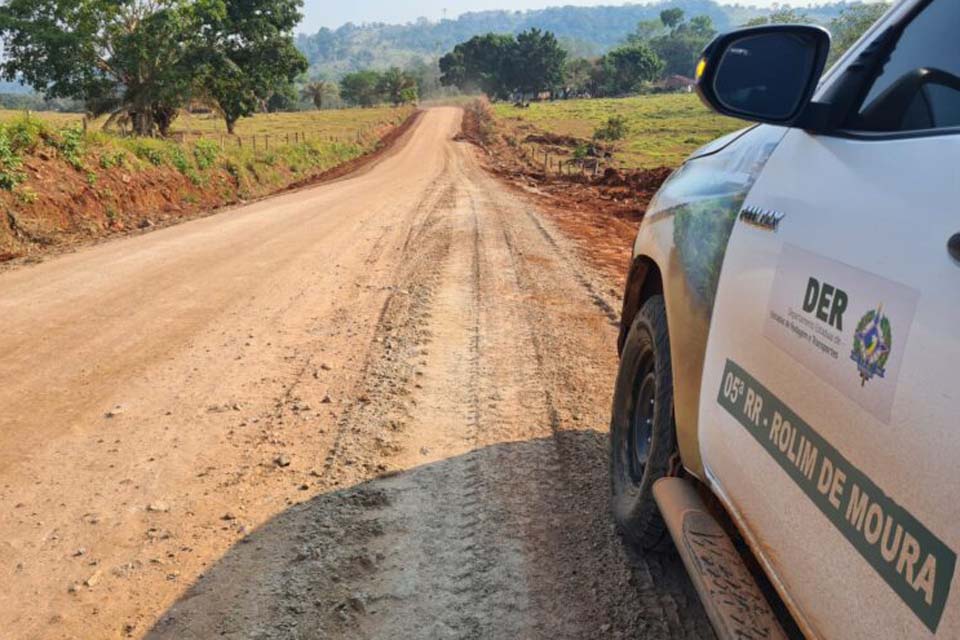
[
  {"x": 563, "y": 165},
  {"x": 266, "y": 141}
]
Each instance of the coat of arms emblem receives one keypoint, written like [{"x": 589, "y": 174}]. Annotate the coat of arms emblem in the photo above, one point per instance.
[{"x": 871, "y": 345}]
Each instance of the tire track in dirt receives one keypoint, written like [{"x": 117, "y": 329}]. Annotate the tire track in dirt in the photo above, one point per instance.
[
  {"x": 410, "y": 292},
  {"x": 660, "y": 600}
]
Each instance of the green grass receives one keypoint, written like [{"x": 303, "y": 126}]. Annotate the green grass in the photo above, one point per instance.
[{"x": 663, "y": 129}]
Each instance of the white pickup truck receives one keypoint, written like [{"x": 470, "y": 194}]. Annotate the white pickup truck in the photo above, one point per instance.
[{"x": 790, "y": 346}]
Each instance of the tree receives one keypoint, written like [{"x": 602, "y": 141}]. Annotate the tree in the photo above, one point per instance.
[
  {"x": 681, "y": 48},
  {"x": 479, "y": 63},
  {"x": 671, "y": 18},
  {"x": 646, "y": 30},
  {"x": 536, "y": 62},
  {"x": 398, "y": 86},
  {"x": 426, "y": 75},
  {"x": 629, "y": 67},
  {"x": 316, "y": 91},
  {"x": 284, "y": 98},
  {"x": 361, "y": 88},
  {"x": 142, "y": 60},
  {"x": 700, "y": 27},
  {"x": 676, "y": 42},
  {"x": 500, "y": 65},
  {"x": 129, "y": 59},
  {"x": 577, "y": 76},
  {"x": 248, "y": 54},
  {"x": 853, "y": 22}
]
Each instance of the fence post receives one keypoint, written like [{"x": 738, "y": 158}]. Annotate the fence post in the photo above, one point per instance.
[{"x": 266, "y": 141}]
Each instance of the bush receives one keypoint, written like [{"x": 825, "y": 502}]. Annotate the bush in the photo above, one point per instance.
[
  {"x": 109, "y": 160},
  {"x": 25, "y": 134},
  {"x": 179, "y": 159},
  {"x": 10, "y": 164},
  {"x": 71, "y": 145},
  {"x": 28, "y": 195},
  {"x": 148, "y": 150},
  {"x": 205, "y": 152},
  {"x": 616, "y": 128}
]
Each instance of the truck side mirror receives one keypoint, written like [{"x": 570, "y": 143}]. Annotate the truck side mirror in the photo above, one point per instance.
[{"x": 764, "y": 74}]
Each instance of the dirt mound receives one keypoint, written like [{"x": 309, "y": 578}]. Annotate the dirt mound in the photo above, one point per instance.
[
  {"x": 66, "y": 208},
  {"x": 640, "y": 180},
  {"x": 477, "y": 126}
]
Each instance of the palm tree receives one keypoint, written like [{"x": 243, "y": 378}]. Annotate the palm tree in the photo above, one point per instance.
[
  {"x": 398, "y": 86},
  {"x": 315, "y": 92}
]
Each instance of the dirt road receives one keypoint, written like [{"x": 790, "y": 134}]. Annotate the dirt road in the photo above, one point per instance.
[{"x": 375, "y": 408}]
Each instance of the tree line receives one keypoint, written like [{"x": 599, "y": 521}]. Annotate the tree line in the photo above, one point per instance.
[
  {"x": 367, "y": 88},
  {"x": 533, "y": 62}
]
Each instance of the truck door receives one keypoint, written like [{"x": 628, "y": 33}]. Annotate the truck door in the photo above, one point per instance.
[{"x": 831, "y": 389}]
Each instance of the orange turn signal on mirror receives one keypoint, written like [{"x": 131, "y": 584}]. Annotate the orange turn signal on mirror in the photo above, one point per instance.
[{"x": 701, "y": 67}]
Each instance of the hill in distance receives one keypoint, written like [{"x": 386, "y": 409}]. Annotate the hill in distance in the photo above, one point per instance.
[{"x": 585, "y": 31}]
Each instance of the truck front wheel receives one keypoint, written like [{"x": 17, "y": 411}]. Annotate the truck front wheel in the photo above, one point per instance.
[{"x": 642, "y": 433}]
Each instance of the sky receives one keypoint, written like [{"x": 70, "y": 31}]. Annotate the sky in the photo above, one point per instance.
[{"x": 333, "y": 13}]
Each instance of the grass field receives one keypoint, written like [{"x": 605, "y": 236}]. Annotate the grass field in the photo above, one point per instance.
[
  {"x": 50, "y": 117},
  {"x": 330, "y": 122},
  {"x": 663, "y": 129}
]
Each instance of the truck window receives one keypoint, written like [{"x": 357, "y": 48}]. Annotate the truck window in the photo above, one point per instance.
[{"x": 919, "y": 88}]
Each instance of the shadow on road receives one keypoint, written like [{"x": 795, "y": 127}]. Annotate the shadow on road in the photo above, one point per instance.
[{"x": 511, "y": 540}]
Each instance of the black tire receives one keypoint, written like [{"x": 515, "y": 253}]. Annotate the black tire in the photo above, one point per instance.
[{"x": 642, "y": 434}]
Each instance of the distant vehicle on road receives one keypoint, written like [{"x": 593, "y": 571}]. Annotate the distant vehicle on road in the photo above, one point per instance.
[{"x": 790, "y": 343}]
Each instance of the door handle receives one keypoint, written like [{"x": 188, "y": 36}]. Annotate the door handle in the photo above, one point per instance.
[{"x": 953, "y": 246}]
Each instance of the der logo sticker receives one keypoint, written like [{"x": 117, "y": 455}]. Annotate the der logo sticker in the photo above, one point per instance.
[{"x": 848, "y": 327}]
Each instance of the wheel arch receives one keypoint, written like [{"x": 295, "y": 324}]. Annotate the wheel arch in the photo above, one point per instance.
[{"x": 643, "y": 281}]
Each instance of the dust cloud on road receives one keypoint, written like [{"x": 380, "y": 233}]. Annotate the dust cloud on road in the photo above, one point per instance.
[{"x": 375, "y": 408}]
